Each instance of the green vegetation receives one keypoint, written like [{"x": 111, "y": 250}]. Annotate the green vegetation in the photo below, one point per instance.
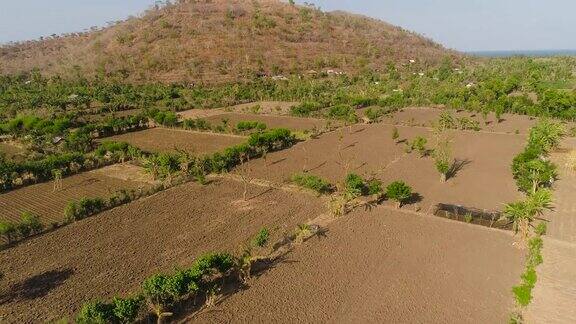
[
  {"x": 161, "y": 291},
  {"x": 312, "y": 182},
  {"x": 29, "y": 224},
  {"x": 250, "y": 125},
  {"x": 399, "y": 191},
  {"x": 261, "y": 238},
  {"x": 419, "y": 144}
]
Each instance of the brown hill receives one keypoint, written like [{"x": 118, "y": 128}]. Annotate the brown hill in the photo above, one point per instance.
[{"x": 223, "y": 40}]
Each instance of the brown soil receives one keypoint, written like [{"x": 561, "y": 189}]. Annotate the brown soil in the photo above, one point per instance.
[
  {"x": 554, "y": 297},
  {"x": 52, "y": 275},
  {"x": 384, "y": 267},
  {"x": 424, "y": 116},
  {"x": 562, "y": 222},
  {"x": 266, "y": 107},
  {"x": 42, "y": 200},
  {"x": 170, "y": 140},
  {"x": 484, "y": 181},
  {"x": 271, "y": 121}
]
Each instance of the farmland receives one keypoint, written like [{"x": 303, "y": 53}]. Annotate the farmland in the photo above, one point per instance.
[
  {"x": 171, "y": 140},
  {"x": 268, "y": 162},
  {"x": 127, "y": 244},
  {"x": 49, "y": 203}
]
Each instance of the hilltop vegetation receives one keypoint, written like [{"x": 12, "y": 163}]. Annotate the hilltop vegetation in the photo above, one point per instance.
[{"x": 223, "y": 41}]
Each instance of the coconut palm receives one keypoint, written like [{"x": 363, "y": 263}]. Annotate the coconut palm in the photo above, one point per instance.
[{"x": 522, "y": 213}]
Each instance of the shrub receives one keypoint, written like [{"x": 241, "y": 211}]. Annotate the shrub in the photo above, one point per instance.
[
  {"x": 399, "y": 192},
  {"x": 305, "y": 109},
  {"x": 546, "y": 135},
  {"x": 95, "y": 313},
  {"x": 126, "y": 309},
  {"x": 374, "y": 187},
  {"x": 29, "y": 224},
  {"x": 261, "y": 238},
  {"x": 373, "y": 114},
  {"x": 83, "y": 208},
  {"x": 312, "y": 182},
  {"x": 523, "y": 294},
  {"x": 343, "y": 112},
  {"x": 8, "y": 230},
  {"x": 250, "y": 125},
  {"x": 395, "y": 134},
  {"x": 354, "y": 185},
  {"x": 419, "y": 144}
]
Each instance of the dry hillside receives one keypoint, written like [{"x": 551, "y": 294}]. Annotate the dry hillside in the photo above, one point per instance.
[{"x": 223, "y": 40}]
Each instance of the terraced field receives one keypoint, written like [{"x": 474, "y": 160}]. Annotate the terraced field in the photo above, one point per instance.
[
  {"x": 42, "y": 200},
  {"x": 271, "y": 121},
  {"x": 170, "y": 140}
]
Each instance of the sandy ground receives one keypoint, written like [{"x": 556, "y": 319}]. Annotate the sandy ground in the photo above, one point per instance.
[
  {"x": 425, "y": 116},
  {"x": 171, "y": 140},
  {"x": 51, "y": 276},
  {"x": 384, "y": 267},
  {"x": 266, "y": 107},
  {"x": 555, "y": 292},
  {"x": 484, "y": 181},
  {"x": 271, "y": 121},
  {"x": 42, "y": 200},
  {"x": 554, "y": 297},
  {"x": 562, "y": 221}
]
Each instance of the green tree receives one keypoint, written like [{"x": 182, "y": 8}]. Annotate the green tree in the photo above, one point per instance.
[{"x": 399, "y": 192}]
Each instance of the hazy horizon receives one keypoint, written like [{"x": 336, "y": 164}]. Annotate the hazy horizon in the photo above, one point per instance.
[{"x": 470, "y": 26}]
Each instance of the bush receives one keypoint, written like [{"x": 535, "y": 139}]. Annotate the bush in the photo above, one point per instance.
[
  {"x": 95, "y": 313},
  {"x": 8, "y": 230},
  {"x": 83, "y": 208},
  {"x": 354, "y": 185},
  {"x": 419, "y": 144},
  {"x": 126, "y": 309},
  {"x": 312, "y": 182},
  {"x": 374, "y": 187},
  {"x": 523, "y": 294},
  {"x": 250, "y": 125},
  {"x": 261, "y": 238},
  {"x": 399, "y": 192},
  {"x": 546, "y": 135},
  {"x": 29, "y": 224},
  {"x": 305, "y": 109},
  {"x": 343, "y": 112}
]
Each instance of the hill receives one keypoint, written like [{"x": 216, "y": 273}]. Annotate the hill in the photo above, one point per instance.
[{"x": 223, "y": 40}]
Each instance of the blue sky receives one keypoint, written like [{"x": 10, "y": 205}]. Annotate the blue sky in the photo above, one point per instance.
[{"x": 459, "y": 24}]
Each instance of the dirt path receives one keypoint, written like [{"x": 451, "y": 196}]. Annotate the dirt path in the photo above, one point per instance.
[
  {"x": 384, "y": 267},
  {"x": 554, "y": 297},
  {"x": 555, "y": 292}
]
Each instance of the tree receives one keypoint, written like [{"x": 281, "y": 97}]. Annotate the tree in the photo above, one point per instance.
[
  {"x": 395, "y": 134},
  {"x": 419, "y": 144},
  {"x": 443, "y": 159},
  {"x": 523, "y": 213},
  {"x": 8, "y": 230},
  {"x": 399, "y": 192}
]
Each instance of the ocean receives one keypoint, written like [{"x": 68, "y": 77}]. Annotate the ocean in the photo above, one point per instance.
[{"x": 532, "y": 53}]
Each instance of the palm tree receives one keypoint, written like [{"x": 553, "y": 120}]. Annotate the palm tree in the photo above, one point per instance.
[{"x": 522, "y": 213}]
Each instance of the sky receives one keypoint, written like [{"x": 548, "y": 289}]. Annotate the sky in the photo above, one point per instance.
[{"x": 465, "y": 25}]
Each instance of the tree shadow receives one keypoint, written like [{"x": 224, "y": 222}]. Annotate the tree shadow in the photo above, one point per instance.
[
  {"x": 349, "y": 146},
  {"x": 414, "y": 198},
  {"x": 456, "y": 167},
  {"x": 278, "y": 161},
  {"x": 318, "y": 166},
  {"x": 359, "y": 130},
  {"x": 37, "y": 286}
]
